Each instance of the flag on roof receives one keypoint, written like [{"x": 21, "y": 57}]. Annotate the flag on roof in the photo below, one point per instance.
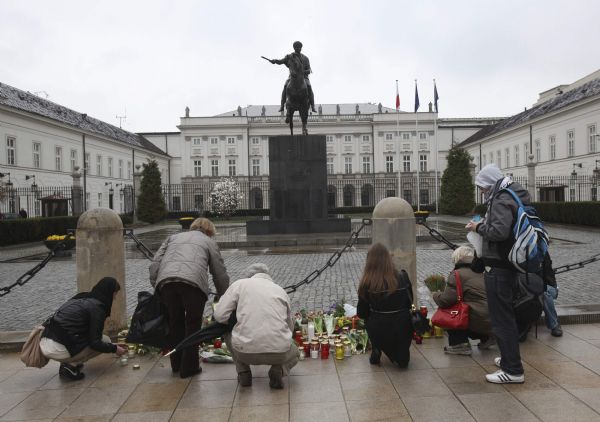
[
  {"x": 397, "y": 97},
  {"x": 416, "y": 97},
  {"x": 436, "y": 97}
]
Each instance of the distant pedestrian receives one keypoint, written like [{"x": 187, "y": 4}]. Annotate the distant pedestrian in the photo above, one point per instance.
[
  {"x": 384, "y": 301},
  {"x": 23, "y": 213},
  {"x": 73, "y": 335},
  {"x": 500, "y": 274},
  {"x": 180, "y": 274}
]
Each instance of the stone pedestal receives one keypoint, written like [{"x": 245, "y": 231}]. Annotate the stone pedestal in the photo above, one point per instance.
[
  {"x": 394, "y": 226},
  {"x": 101, "y": 253},
  {"x": 298, "y": 188}
]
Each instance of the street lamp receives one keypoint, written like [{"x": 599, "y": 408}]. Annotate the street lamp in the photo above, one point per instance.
[
  {"x": 2, "y": 175},
  {"x": 574, "y": 173},
  {"x": 110, "y": 190}
]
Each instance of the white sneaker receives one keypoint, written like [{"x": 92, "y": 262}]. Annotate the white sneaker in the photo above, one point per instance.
[
  {"x": 497, "y": 362},
  {"x": 501, "y": 377}
]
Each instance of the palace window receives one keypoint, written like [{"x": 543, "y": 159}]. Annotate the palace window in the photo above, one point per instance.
[
  {"x": 366, "y": 165},
  {"x": 37, "y": 153},
  {"x": 73, "y": 159},
  {"x": 255, "y": 141},
  {"x": 214, "y": 167},
  {"x": 507, "y": 157},
  {"x": 329, "y": 165},
  {"x": 517, "y": 159},
  {"x": 592, "y": 138},
  {"x": 406, "y": 136},
  {"x": 232, "y": 167},
  {"x": 389, "y": 164},
  {"x": 11, "y": 151},
  {"x": 347, "y": 138},
  {"x": 571, "y": 143},
  {"x": 99, "y": 165},
  {"x": 366, "y": 138},
  {"x": 406, "y": 163},
  {"x": 498, "y": 159},
  {"x": 129, "y": 171},
  {"x": 552, "y": 147},
  {"x": 214, "y": 141},
  {"x": 197, "y": 168},
  {"x": 348, "y": 165},
  {"x": 255, "y": 167},
  {"x": 110, "y": 166},
  {"x": 120, "y": 169},
  {"x": 389, "y": 136},
  {"x": 423, "y": 162},
  {"x": 422, "y": 135},
  {"x": 538, "y": 151},
  {"x": 231, "y": 140},
  {"x": 58, "y": 158},
  {"x": 196, "y": 141}
]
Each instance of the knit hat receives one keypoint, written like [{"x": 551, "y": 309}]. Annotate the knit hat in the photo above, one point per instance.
[{"x": 488, "y": 176}]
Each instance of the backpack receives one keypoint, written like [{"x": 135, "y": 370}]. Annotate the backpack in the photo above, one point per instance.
[
  {"x": 528, "y": 298},
  {"x": 531, "y": 239},
  {"x": 149, "y": 323}
]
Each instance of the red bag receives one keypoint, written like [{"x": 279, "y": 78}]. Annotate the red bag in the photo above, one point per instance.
[{"x": 456, "y": 317}]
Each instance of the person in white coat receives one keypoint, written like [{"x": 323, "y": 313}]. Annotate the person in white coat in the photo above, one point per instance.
[{"x": 263, "y": 332}]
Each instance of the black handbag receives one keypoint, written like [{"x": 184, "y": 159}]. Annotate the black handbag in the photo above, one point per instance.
[
  {"x": 419, "y": 322},
  {"x": 150, "y": 322}
]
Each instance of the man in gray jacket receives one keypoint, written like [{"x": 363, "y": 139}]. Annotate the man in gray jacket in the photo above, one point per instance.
[
  {"x": 500, "y": 275},
  {"x": 263, "y": 332},
  {"x": 180, "y": 273}
]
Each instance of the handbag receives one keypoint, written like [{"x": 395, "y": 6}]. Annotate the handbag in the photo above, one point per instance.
[
  {"x": 150, "y": 322},
  {"x": 420, "y": 323},
  {"x": 31, "y": 353},
  {"x": 456, "y": 317}
]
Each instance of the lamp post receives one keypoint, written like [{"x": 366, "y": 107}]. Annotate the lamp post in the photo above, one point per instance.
[
  {"x": 574, "y": 175},
  {"x": 34, "y": 191}
]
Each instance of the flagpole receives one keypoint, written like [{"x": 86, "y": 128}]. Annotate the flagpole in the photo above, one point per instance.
[
  {"x": 399, "y": 195},
  {"x": 435, "y": 129},
  {"x": 417, "y": 154}
]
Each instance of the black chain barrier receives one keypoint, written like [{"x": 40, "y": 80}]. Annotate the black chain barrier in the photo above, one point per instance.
[
  {"x": 558, "y": 270},
  {"x": 141, "y": 247},
  {"x": 332, "y": 260},
  {"x": 32, "y": 272}
]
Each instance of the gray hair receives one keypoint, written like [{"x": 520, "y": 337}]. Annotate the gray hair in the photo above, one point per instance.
[
  {"x": 462, "y": 252},
  {"x": 256, "y": 268}
]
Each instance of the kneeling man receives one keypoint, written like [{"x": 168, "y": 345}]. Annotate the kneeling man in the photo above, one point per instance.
[{"x": 263, "y": 332}]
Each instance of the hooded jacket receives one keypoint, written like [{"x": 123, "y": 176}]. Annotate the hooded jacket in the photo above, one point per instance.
[
  {"x": 188, "y": 257},
  {"x": 496, "y": 227}
]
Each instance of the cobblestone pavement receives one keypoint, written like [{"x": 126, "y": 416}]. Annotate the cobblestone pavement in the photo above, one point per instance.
[{"x": 32, "y": 303}]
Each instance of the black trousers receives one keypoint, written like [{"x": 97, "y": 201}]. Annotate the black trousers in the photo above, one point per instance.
[
  {"x": 462, "y": 336},
  {"x": 499, "y": 285},
  {"x": 185, "y": 304}
]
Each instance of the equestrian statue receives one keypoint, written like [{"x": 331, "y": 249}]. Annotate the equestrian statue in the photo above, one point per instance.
[{"x": 297, "y": 92}]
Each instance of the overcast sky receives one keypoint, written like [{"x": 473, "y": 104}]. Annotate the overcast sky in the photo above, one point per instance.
[{"x": 153, "y": 58}]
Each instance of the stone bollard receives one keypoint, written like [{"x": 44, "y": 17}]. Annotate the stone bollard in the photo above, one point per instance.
[
  {"x": 101, "y": 253},
  {"x": 394, "y": 226}
]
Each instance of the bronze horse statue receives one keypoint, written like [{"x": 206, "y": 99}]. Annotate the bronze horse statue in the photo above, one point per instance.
[{"x": 297, "y": 95}]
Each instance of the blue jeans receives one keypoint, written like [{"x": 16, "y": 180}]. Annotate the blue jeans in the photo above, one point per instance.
[
  {"x": 550, "y": 315},
  {"x": 499, "y": 285}
]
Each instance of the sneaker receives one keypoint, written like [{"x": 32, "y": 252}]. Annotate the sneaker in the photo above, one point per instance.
[
  {"x": 245, "y": 378},
  {"x": 557, "y": 331},
  {"x": 485, "y": 345},
  {"x": 375, "y": 358},
  {"x": 501, "y": 377},
  {"x": 70, "y": 372},
  {"x": 276, "y": 377},
  {"x": 458, "y": 349},
  {"x": 497, "y": 362}
]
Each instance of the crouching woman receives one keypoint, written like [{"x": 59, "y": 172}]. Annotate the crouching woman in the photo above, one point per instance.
[
  {"x": 384, "y": 303},
  {"x": 73, "y": 335},
  {"x": 474, "y": 295}
]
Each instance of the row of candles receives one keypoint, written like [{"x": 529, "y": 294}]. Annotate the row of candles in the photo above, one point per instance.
[{"x": 337, "y": 344}]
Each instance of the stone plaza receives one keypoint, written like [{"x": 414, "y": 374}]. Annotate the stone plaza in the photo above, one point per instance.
[{"x": 562, "y": 374}]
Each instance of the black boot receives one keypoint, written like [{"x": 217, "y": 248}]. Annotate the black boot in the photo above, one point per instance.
[
  {"x": 375, "y": 356},
  {"x": 70, "y": 372}
]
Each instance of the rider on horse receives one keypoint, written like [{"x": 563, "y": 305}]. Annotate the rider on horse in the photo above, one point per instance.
[{"x": 297, "y": 55}]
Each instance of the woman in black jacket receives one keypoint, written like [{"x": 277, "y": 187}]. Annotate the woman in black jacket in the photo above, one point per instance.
[
  {"x": 73, "y": 335},
  {"x": 384, "y": 303}
]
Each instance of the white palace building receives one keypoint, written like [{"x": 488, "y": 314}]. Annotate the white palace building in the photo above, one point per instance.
[{"x": 372, "y": 151}]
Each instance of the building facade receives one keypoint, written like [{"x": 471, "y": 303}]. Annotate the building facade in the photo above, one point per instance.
[
  {"x": 44, "y": 145},
  {"x": 555, "y": 144},
  {"x": 371, "y": 149}
]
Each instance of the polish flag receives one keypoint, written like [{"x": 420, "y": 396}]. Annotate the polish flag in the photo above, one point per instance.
[{"x": 397, "y": 97}]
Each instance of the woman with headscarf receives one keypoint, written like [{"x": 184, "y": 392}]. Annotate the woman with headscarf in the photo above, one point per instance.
[
  {"x": 384, "y": 301},
  {"x": 73, "y": 335},
  {"x": 180, "y": 274}
]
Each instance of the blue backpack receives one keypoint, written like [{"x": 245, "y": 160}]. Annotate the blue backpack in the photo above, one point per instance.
[{"x": 531, "y": 239}]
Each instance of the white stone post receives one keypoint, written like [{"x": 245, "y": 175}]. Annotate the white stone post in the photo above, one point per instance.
[
  {"x": 394, "y": 226},
  {"x": 531, "y": 178},
  {"x": 101, "y": 253}
]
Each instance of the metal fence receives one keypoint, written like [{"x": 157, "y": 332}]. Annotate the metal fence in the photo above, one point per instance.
[
  {"x": 341, "y": 192},
  {"x": 38, "y": 201}
]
